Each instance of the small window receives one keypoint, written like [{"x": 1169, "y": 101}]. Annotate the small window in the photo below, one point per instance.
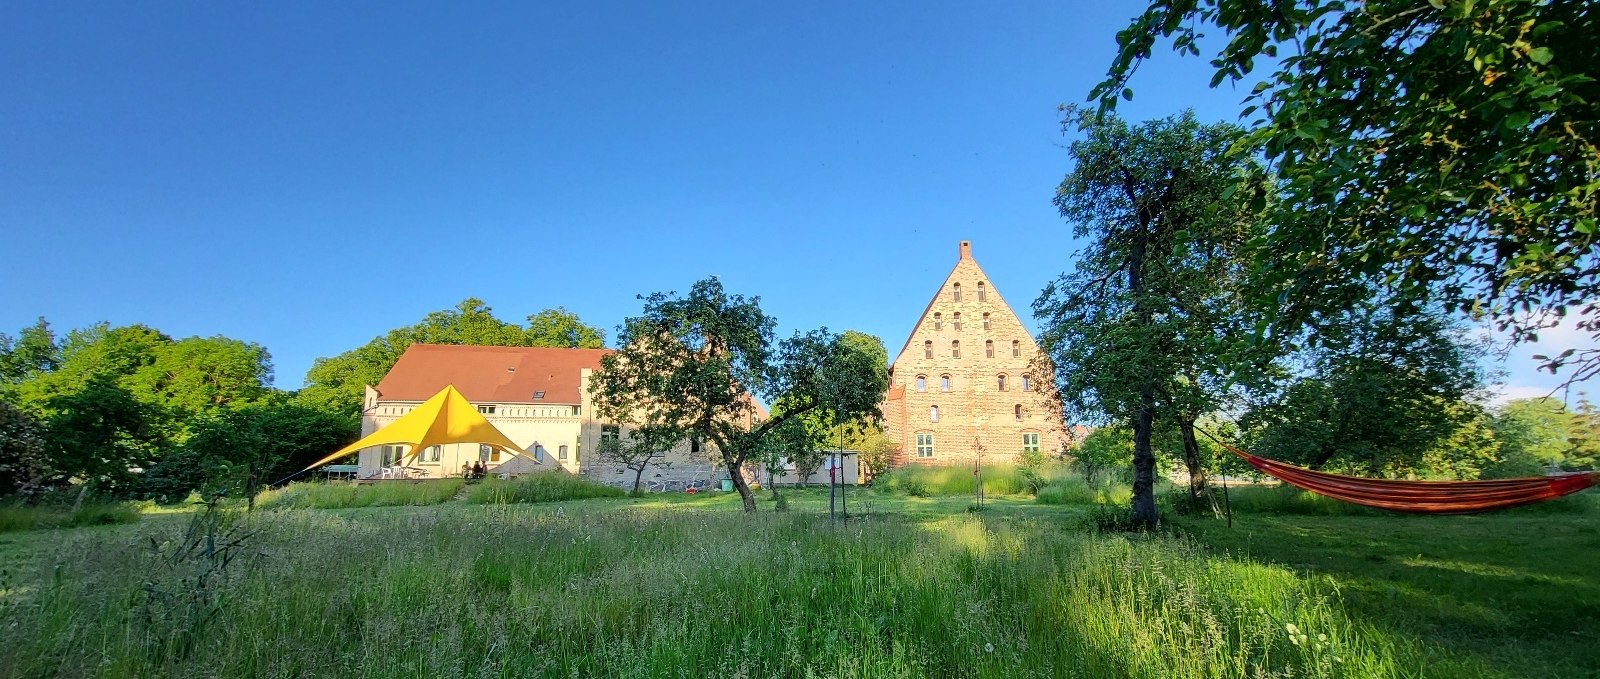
[
  {"x": 955, "y": 320},
  {"x": 433, "y": 453},
  {"x": 1016, "y": 349},
  {"x": 1000, "y": 382},
  {"x": 538, "y": 394},
  {"x": 944, "y": 383},
  {"x": 562, "y": 452},
  {"x": 933, "y": 413},
  {"x": 608, "y": 432},
  {"x": 957, "y": 291},
  {"x": 986, "y": 321},
  {"x": 1027, "y": 383},
  {"x": 1030, "y": 443},
  {"x": 927, "y": 349},
  {"x": 981, "y": 295},
  {"x": 924, "y": 445},
  {"x": 577, "y": 410},
  {"x": 988, "y": 348},
  {"x": 1016, "y": 411},
  {"x": 922, "y": 382},
  {"x": 955, "y": 348},
  {"x": 538, "y": 453},
  {"x": 938, "y": 321},
  {"x": 487, "y": 410}
]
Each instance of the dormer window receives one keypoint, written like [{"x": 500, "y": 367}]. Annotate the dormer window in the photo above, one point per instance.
[
  {"x": 956, "y": 291},
  {"x": 538, "y": 395},
  {"x": 981, "y": 291}
]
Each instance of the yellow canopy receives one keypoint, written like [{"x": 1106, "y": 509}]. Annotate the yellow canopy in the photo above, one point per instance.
[{"x": 447, "y": 417}]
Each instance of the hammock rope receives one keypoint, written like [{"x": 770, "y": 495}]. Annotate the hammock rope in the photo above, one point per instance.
[{"x": 1421, "y": 497}]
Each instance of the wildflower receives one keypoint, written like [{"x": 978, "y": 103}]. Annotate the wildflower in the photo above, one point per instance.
[
  {"x": 1322, "y": 637},
  {"x": 988, "y": 648},
  {"x": 1293, "y": 631}
]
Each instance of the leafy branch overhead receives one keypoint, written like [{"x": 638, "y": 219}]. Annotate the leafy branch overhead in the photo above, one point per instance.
[{"x": 1444, "y": 150}]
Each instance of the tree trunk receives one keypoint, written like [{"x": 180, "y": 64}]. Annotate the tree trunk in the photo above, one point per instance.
[
  {"x": 637, "y": 475},
  {"x": 1198, "y": 482},
  {"x": 738, "y": 482},
  {"x": 1144, "y": 463}
]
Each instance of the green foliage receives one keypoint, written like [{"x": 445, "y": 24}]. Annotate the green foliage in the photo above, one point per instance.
[
  {"x": 237, "y": 451},
  {"x": 951, "y": 480},
  {"x": 1104, "y": 449},
  {"x": 1538, "y": 433},
  {"x": 552, "y": 486},
  {"x": 23, "y": 462},
  {"x": 101, "y": 435},
  {"x": 32, "y": 352},
  {"x": 1445, "y": 150},
  {"x": 697, "y": 363},
  {"x": 336, "y": 384},
  {"x": 340, "y": 495},
  {"x": 1078, "y": 491},
  {"x": 1384, "y": 394}
]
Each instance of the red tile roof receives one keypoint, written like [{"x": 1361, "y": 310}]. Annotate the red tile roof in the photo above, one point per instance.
[{"x": 489, "y": 374}]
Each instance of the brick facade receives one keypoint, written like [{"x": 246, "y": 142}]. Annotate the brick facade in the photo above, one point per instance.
[{"x": 975, "y": 342}]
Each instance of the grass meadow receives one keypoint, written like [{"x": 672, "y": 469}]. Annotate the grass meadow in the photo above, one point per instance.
[{"x": 911, "y": 586}]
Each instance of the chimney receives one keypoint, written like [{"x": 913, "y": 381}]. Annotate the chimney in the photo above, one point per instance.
[{"x": 966, "y": 249}]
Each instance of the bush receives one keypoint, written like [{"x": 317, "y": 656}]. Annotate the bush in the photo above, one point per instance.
[
  {"x": 25, "y": 517},
  {"x": 554, "y": 486},
  {"x": 343, "y": 494}
]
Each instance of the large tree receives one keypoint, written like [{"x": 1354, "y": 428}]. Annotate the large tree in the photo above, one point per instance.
[
  {"x": 33, "y": 351},
  {"x": 1446, "y": 150},
  {"x": 337, "y": 383},
  {"x": 241, "y": 449},
  {"x": 698, "y": 363},
  {"x": 1154, "y": 202}
]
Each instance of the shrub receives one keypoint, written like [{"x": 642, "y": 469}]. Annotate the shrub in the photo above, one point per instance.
[
  {"x": 343, "y": 494},
  {"x": 554, "y": 486}
]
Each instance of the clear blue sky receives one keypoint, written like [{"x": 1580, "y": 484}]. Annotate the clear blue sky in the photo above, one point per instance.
[{"x": 309, "y": 175}]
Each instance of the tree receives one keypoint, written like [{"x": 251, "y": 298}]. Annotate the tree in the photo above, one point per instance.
[
  {"x": 337, "y": 383},
  {"x": 241, "y": 449},
  {"x": 1444, "y": 150},
  {"x": 23, "y": 467},
  {"x": 32, "y": 352},
  {"x": 697, "y": 363},
  {"x": 102, "y": 437},
  {"x": 1377, "y": 394},
  {"x": 197, "y": 375},
  {"x": 1154, "y": 202},
  {"x": 644, "y": 446},
  {"x": 561, "y": 328},
  {"x": 1104, "y": 448},
  {"x": 1538, "y": 433}
]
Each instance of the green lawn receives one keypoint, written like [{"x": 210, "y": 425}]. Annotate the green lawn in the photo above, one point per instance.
[{"x": 677, "y": 585}]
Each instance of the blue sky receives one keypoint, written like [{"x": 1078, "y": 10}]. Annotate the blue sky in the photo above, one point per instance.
[{"x": 309, "y": 175}]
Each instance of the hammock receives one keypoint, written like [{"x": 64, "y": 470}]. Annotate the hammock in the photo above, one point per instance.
[{"x": 1422, "y": 497}]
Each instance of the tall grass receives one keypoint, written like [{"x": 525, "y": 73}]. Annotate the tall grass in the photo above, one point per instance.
[
  {"x": 341, "y": 495},
  {"x": 957, "y": 479},
  {"x": 15, "y": 517},
  {"x": 517, "y": 592},
  {"x": 555, "y": 486},
  {"x": 1074, "y": 490}
]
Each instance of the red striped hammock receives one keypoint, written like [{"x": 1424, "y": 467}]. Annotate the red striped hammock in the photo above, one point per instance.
[{"x": 1423, "y": 497}]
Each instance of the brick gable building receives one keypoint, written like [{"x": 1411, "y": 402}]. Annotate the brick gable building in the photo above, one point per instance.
[{"x": 965, "y": 379}]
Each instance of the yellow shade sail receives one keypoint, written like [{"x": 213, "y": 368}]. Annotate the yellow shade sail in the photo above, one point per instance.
[{"x": 447, "y": 417}]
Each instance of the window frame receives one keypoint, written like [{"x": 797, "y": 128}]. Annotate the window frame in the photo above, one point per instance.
[
  {"x": 1030, "y": 446},
  {"x": 924, "y": 446},
  {"x": 933, "y": 413}
]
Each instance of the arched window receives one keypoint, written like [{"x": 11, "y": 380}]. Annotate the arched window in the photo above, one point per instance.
[
  {"x": 956, "y": 320},
  {"x": 955, "y": 348},
  {"x": 1027, "y": 383},
  {"x": 944, "y": 383},
  {"x": 988, "y": 348},
  {"x": 1000, "y": 382},
  {"x": 938, "y": 321},
  {"x": 981, "y": 296},
  {"x": 927, "y": 349},
  {"x": 1016, "y": 411},
  {"x": 985, "y": 317},
  {"x": 933, "y": 413},
  {"x": 956, "y": 291},
  {"x": 1016, "y": 349},
  {"x": 922, "y": 382}
]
